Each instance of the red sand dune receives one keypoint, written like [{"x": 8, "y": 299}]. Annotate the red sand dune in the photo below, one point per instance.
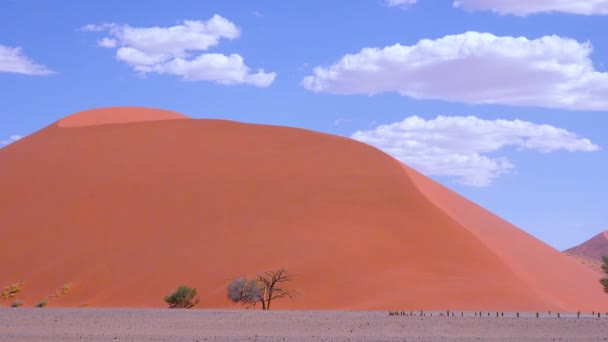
[
  {"x": 105, "y": 116},
  {"x": 129, "y": 209},
  {"x": 594, "y": 248}
]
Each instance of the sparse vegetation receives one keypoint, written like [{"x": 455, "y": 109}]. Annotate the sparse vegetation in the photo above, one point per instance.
[
  {"x": 42, "y": 303},
  {"x": 183, "y": 297},
  {"x": 604, "y": 281},
  {"x": 11, "y": 291},
  {"x": 264, "y": 289},
  {"x": 60, "y": 292}
]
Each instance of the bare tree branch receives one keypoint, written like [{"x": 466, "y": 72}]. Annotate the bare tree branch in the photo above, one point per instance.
[
  {"x": 270, "y": 279},
  {"x": 264, "y": 289}
]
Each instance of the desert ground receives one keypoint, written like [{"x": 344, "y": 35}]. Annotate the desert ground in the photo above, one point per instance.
[{"x": 88, "y": 324}]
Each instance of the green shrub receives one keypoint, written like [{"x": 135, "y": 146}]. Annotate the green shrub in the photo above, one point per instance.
[{"x": 183, "y": 297}]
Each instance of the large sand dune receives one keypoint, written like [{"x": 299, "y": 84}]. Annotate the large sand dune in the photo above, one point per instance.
[{"x": 126, "y": 207}]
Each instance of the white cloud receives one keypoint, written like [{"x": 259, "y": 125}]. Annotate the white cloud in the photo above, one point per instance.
[
  {"x": 527, "y": 7},
  {"x": 400, "y": 3},
  {"x": 466, "y": 147},
  {"x": 96, "y": 28},
  {"x": 13, "y": 60},
  {"x": 474, "y": 67},
  {"x": 169, "y": 50},
  {"x": 11, "y": 139},
  {"x": 214, "y": 67},
  {"x": 523, "y": 7},
  {"x": 107, "y": 42}
]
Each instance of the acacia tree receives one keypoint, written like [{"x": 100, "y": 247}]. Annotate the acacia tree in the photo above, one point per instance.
[
  {"x": 604, "y": 281},
  {"x": 267, "y": 287},
  {"x": 272, "y": 285},
  {"x": 246, "y": 292}
]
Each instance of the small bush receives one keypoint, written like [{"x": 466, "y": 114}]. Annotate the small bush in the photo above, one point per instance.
[
  {"x": 183, "y": 297},
  {"x": 11, "y": 291},
  {"x": 42, "y": 303},
  {"x": 17, "y": 303}
]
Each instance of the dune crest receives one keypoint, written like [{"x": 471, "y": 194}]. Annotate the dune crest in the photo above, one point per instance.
[
  {"x": 127, "y": 212},
  {"x": 117, "y": 115}
]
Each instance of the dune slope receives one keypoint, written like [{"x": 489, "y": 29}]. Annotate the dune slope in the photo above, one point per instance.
[
  {"x": 593, "y": 264},
  {"x": 130, "y": 208}
]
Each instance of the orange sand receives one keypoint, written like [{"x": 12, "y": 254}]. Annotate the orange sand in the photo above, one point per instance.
[
  {"x": 130, "y": 210},
  {"x": 117, "y": 115},
  {"x": 593, "y": 264}
]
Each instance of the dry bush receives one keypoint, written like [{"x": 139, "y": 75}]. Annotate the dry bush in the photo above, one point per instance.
[{"x": 11, "y": 290}]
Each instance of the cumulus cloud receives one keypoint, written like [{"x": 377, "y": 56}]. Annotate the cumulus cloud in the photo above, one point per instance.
[
  {"x": 400, "y": 3},
  {"x": 527, "y": 7},
  {"x": 524, "y": 7},
  {"x": 11, "y": 139},
  {"x": 171, "y": 50},
  {"x": 474, "y": 67},
  {"x": 466, "y": 147},
  {"x": 13, "y": 60}
]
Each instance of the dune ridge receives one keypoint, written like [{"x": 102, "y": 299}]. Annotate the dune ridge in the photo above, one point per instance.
[
  {"x": 127, "y": 211},
  {"x": 118, "y": 115}
]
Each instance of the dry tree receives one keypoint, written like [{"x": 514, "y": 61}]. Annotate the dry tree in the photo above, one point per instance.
[{"x": 267, "y": 287}]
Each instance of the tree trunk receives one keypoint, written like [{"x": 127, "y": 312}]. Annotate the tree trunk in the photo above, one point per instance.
[
  {"x": 264, "y": 305},
  {"x": 269, "y": 299}
]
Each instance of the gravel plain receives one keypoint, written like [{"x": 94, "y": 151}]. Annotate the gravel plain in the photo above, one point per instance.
[{"x": 92, "y": 324}]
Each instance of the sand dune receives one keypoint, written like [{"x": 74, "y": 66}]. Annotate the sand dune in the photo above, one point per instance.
[
  {"x": 594, "y": 248},
  {"x": 126, "y": 204},
  {"x": 593, "y": 264},
  {"x": 117, "y": 115}
]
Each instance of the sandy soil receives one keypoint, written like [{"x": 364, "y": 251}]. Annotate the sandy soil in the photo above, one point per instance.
[{"x": 33, "y": 325}]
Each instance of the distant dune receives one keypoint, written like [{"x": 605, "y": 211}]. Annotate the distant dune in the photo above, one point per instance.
[
  {"x": 594, "y": 248},
  {"x": 128, "y": 203}
]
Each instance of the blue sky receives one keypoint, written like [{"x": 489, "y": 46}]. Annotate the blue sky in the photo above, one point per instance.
[{"x": 503, "y": 102}]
